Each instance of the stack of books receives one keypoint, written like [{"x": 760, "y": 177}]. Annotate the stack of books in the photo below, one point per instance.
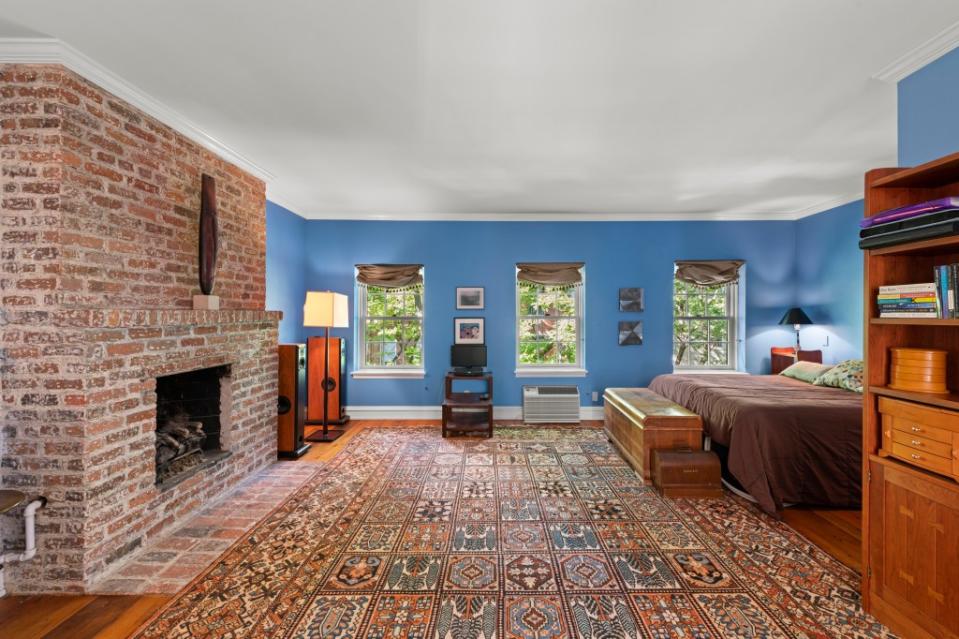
[
  {"x": 947, "y": 290},
  {"x": 908, "y": 300}
]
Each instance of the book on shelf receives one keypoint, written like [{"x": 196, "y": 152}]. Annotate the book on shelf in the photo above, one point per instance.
[
  {"x": 946, "y": 290},
  {"x": 909, "y": 300},
  {"x": 933, "y": 300},
  {"x": 897, "y": 289},
  {"x": 908, "y": 315}
]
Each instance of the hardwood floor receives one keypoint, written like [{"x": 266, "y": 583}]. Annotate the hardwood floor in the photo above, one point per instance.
[
  {"x": 75, "y": 617},
  {"x": 117, "y": 616},
  {"x": 838, "y": 532}
]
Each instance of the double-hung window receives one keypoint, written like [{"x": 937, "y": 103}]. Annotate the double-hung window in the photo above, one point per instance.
[
  {"x": 549, "y": 319},
  {"x": 705, "y": 315},
  {"x": 389, "y": 322}
]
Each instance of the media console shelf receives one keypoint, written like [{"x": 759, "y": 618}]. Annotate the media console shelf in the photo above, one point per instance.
[
  {"x": 910, "y": 577},
  {"x": 468, "y": 412}
]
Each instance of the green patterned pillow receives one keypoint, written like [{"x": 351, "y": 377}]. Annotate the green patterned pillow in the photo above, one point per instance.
[
  {"x": 847, "y": 375},
  {"x": 807, "y": 372}
]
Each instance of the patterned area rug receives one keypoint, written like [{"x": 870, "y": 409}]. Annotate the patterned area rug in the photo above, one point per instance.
[{"x": 537, "y": 533}]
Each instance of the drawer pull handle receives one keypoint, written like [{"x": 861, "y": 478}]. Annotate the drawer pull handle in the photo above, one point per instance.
[
  {"x": 916, "y": 456},
  {"x": 916, "y": 429},
  {"x": 916, "y": 442}
]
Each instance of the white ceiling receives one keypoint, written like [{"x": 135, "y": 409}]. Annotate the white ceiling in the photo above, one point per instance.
[{"x": 570, "y": 109}]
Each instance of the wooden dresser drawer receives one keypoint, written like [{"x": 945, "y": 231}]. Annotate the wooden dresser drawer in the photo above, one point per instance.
[
  {"x": 923, "y": 444},
  {"x": 915, "y": 457},
  {"x": 934, "y": 423},
  {"x": 924, "y": 436}
]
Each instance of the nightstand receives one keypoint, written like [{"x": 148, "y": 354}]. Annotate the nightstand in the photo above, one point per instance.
[{"x": 782, "y": 357}]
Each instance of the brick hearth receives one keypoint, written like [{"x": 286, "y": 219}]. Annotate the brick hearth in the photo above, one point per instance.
[{"x": 99, "y": 265}]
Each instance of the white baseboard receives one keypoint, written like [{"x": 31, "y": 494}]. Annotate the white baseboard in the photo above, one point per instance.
[{"x": 435, "y": 412}]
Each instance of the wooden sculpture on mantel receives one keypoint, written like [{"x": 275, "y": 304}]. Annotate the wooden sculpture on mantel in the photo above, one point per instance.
[{"x": 208, "y": 246}]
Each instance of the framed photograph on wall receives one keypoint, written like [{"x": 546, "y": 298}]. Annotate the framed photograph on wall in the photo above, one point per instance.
[
  {"x": 469, "y": 298},
  {"x": 630, "y": 333},
  {"x": 468, "y": 330},
  {"x": 631, "y": 300}
]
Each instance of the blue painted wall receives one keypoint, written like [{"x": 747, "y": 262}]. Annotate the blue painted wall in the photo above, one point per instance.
[
  {"x": 285, "y": 274},
  {"x": 829, "y": 281},
  {"x": 616, "y": 255},
  {"x": 813, "y": 263},
  {"x": 928, "y": 124}
]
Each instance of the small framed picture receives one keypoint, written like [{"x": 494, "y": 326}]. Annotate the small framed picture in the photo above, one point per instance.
[
  {"x": 630, "y": 333},
  {"x": 631, "y": 300},
  {"x": 468, "y": 330},
  {"x": 469, "y": 298}
]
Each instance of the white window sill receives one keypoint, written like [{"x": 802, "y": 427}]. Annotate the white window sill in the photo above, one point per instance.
[
  {"x": 707, "y": 371},
  {"x": 551, "y": 371},
  {"x": 389, "y": 373}
]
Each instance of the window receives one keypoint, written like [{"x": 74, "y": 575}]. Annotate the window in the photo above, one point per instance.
[
  {"x": 549, "y": 326},
  {"x": 704, "y": 325},
  {"x": 389, "y": 327}
]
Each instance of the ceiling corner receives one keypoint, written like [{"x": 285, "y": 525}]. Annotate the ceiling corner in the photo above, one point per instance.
[
  {"x": 53, "y": 51},
  {"x": 915, "y": 59}
]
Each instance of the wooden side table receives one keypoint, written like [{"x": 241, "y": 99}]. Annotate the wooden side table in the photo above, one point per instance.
[
  {"x": 782, "y": 357},
  {"x": 467, "y": 412}
]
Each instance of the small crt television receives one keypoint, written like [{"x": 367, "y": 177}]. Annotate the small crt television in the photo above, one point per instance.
[{"x": 468, "y": 358}]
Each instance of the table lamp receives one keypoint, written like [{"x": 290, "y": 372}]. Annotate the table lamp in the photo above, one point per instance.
[
  {"x": 328, "y": 310},
  {"x": 797, "y": 318}
]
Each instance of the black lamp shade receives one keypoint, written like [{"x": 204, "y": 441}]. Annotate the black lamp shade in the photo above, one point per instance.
[{"x": 795, "y": 315}]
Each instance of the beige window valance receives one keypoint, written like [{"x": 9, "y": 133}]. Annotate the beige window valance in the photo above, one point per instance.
[
  {"x": 551, "y": 273},
  {"x": 389, "y": 275},
  {"x": 708, "y": 272}
]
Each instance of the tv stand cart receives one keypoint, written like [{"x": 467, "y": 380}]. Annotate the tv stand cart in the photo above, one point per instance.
[{"x": 468, "y": 412}]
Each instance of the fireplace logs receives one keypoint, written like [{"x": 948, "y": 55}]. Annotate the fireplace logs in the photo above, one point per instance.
[{"x": 179, "y": 444}]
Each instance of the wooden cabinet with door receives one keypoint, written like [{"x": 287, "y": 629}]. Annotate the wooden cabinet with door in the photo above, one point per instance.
[{"x": 910, "y": 440}]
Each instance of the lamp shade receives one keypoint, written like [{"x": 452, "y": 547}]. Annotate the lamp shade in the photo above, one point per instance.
[
  {"x": 795, "y": 315},
  {"x": 326, "y": 309}
]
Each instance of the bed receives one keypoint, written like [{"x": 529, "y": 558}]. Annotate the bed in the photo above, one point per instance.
[{"x": 785, "y": 441}]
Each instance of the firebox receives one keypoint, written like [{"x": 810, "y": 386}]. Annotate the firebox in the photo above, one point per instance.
[{"x": 190, "y": 416}]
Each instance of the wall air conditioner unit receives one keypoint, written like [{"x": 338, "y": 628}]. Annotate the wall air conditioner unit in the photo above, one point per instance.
[{"x": 550, "y": 404}]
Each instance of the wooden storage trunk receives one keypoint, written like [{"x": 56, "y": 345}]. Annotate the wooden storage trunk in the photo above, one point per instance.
[
  {"x": 687, "y": 473},
  {"x": 638, "y": 421}
]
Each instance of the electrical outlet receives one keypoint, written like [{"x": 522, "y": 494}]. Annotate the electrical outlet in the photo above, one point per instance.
[{"x": 595, "y": 396}]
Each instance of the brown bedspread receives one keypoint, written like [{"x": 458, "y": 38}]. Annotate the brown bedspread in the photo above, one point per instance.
[{"x": 788, "y": 441}]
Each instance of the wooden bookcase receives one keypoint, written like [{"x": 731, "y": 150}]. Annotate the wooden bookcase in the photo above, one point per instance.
[{"x": 910, "y": 516}]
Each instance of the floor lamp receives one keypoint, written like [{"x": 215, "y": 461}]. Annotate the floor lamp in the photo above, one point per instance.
[{"x": 328, "y": 310}]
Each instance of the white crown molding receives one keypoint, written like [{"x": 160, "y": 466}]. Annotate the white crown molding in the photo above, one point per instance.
[
  {"x": 53, "y": 51},
  {"x": 825, "y": 205},
  {"x": 745, "y": 216},
  {"x": 915, "y": 59},
  {"x": 435, "y": 412}
]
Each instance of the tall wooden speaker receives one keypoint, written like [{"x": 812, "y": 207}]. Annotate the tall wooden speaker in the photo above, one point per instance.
[
  {"x": 336, "y": 383},
  {"x": 291, "y": 401}
]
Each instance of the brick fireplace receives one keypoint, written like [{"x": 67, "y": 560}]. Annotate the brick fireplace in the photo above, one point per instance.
[{"x": 99, "y": 264}]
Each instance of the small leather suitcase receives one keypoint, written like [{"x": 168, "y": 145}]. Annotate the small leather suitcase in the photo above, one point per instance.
[{"x": 686, "y": 473}]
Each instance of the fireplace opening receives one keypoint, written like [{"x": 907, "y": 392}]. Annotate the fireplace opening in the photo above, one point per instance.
[{"x": 190, "y": 419}]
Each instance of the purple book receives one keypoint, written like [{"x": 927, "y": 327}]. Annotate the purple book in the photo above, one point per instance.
[{"x": 905, "y": 212}]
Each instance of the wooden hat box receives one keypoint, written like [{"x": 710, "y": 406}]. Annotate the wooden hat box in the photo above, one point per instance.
[
  {"x": 686, "y": 473},
  {"x": 920, "y": 370}
]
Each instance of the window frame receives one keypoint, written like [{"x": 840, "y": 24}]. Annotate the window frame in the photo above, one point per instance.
[
  {"x": 361, "y": 317},
  {"x": 577, "y": 369},
  {"x": 732, "y": 318}
]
